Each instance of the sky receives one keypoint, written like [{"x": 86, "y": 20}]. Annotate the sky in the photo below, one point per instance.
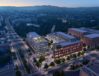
[{"x": 60, "y": 3}]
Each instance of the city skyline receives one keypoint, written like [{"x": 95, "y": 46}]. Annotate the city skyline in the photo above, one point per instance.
[{"x": 62, "y": 3}]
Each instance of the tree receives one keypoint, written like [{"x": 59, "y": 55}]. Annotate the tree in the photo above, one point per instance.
[
  {"x": 41, "y": 59},
  {"x": 38, "y": 64},
  {"x": 97, "y": 48},
  {"x": 71, "y": 55},
  {"x": 74, "y": 55},
  {"x": 18, "y": 73},
  {"x": 46, "y": 66},
  {"x": 82, "y": 53},
  {"x": 72, "y": 67},
  {"x": 16, "y": 67},
  {"x": 58, "y": 61},
  {"x": 50, "y": 43},
  {"x": 85, "y": 49},
  {"x": 78, "y": 54},
  {"x": 68, "y": 57},
  {"x": 63, "y": 60},
  {"x": 52, "y": 64}
]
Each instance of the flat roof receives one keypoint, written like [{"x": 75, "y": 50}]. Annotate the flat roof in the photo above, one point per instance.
[
  {"x": 79, "y": 30},
  {"x": 92, "y": 36},
  {"x": 63, "y": 44},
  {"x": 40, "y": 40},
  {"x": 65, "y": 35},
  {"x": 32, "y": 35},
  {"x": 90, "y": 30}
]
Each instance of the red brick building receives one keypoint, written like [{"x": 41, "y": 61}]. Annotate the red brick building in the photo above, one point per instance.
[
  {"x": 67, "y": 48},
  {"x": 91, "y": 40},
  {"x": 79, "y": 33}
]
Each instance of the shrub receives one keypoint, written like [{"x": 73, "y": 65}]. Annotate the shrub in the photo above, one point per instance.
[
  {"x": 52, "y": 64},
  {"x": 46, "y": 66},
  {"x": 41, "y": 59},
  {"x": 63, "y": 60},
  {"x": 68, "y": 57},
  {"x": 58, "y": 61},
  {"x": 38, "y": 64},
  {"x": 18, "y": 73}
]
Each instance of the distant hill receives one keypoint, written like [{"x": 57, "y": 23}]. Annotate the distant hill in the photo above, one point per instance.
[{"x": 49, "y": 8}]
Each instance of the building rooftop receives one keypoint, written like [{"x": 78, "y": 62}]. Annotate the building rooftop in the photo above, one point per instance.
[
  {"x": 63, "y": 44},
  {"x": 58, "y": 37},
  {"x": 65, "y": 35},
  {"x": 40, "y": 40},
  {"x": 32, "y": 35},
  {"x": 55, "y": 37},
  {"x": 92, "y": 36},
  {"x": 79, "y": 30},
  {"x": 90, "y": 30}
]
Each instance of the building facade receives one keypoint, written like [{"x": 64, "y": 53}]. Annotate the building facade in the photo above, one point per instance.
[
  {"x": 91, "y": 40},
  {"x": 68, "y": 48},
  {"x": 38, "y": 43},
  {"x": 79, "y": 33}
]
